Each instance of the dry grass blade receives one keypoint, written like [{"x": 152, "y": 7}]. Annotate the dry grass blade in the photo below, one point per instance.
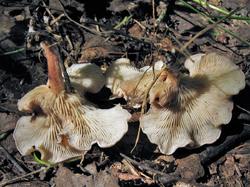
[
  {"x": 144, "y": 104},
  {"x": 209, "y": 27},
  {"x": 78, "y": 24},
  {"x": 208, "y": 18}
]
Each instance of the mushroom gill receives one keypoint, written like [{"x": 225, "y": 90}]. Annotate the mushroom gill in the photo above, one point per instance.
[
  {"x": 62, "y": 125},
  {"x": 189, "y": 110}
]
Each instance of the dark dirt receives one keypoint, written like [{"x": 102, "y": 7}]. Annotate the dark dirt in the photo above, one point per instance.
[{"x": 100, "y": 35}]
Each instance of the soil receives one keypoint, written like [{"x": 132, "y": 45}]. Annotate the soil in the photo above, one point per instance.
[{"x": 101, "y": 32}]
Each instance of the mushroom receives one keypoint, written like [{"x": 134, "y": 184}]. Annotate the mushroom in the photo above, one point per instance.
[
  {"x": 189, "y": 110},
  {"x": 62, "y": 125},
  {"x": 86, "y": 77},
  {"x": 126, "y": 81},
  {"x": 120, "y": 71}
]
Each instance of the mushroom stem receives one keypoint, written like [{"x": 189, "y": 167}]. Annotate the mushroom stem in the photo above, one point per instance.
[{"x": 55, "y": 79}]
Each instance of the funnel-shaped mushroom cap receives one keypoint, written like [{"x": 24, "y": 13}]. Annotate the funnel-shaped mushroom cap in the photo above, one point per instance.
[
  {"x": 61, "y": 126},
  {"x": 134, "y": 90},
  {"x": 193, "y": 109},
  {"x": 119, "y": 71},
  {"x": 220, "y": 70},
  {"x": 126, "y": 81},
  {"x": 86, "y": 77}
]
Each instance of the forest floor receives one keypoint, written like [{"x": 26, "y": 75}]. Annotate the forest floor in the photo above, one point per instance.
[{"x": 143, "y": 31}]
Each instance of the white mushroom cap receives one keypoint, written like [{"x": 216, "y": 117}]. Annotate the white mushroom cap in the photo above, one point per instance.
[
  {"x": 126, "y": 81},
  {"x": 119, "y": 71},
  {"x": 61, "y": 127},
  {"x": 134, "y": 90},
  {"x": 196, "y": 106},
  {"x": 86, "y": 77},
  {"x": 220, "y": 70}
]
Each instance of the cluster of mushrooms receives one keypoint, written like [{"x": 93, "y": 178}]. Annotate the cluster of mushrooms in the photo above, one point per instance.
[{"x": 185, "y": 110}]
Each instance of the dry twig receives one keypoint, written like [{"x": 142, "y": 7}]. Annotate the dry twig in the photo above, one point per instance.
[
  {"x": 24, "y": 176},
  {"x": 13, "y": 160},
  {"x": 169, "y": 178},
  {"x": 215, "y": 151}
]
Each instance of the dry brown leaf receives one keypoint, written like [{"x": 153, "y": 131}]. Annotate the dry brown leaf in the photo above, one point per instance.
[
  {"x": 92, "y": 53},
  {"x": 65, "y": 177},
  {"x": 94, "y": 48},
  {"x": 165, "y": 44},
  {"x": 136, "y": 31},
  {"x": 104, "y": 178},
  {"x": 227, "y": 169},
  {"x": 190, "y": 167}
]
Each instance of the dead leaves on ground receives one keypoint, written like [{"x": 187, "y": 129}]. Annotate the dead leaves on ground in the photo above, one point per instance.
[{"x": 65, "y": 177}]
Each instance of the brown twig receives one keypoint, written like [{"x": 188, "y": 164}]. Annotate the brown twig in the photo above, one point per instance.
[
  {"x": 69, "y": 56},
  {"x": 131, "y": 168},
  {"x": 215, "y": 151},
  {"x": 76, "y": 23},
  {"x": 140, "y": 25},
  {"x": 137, "y": 174},
  {"x": 13, "y": 160},
  {"x": 55, "y": 20},
  {"x": 23, "y": 176},
  {"x": 168, "y": 178},
  {"x": 49, "y": 12},
  {"x": 185, "y": 52}
]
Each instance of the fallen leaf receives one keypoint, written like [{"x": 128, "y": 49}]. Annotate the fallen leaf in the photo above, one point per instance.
[
  {"x": 65, "y": 177},
  {"x": 136, "y": 31},
  {"x": 94, "y": 48},
  {"x": 103, "y": 178},
  {"x": 165, "y": 44},
  {"x": 227, "y": 169},
  {"x": 190, "y": 167}
]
